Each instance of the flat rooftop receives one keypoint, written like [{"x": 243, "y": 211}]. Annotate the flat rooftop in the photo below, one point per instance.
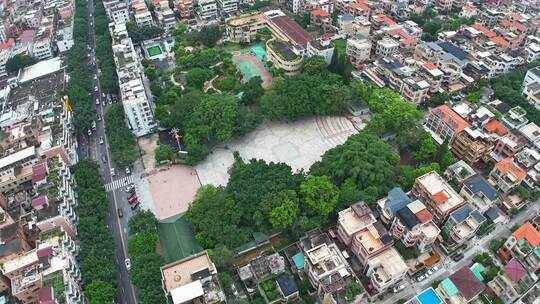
[
  {"x": 245, "y": 20},
  {"x": 443, "y": 197},
  {"x": 352, "y": 221},
  {"x": 20, "y": 262},
  {"x": 369, "y": 239},
  {"x": 180, "y": 273},
  {"x": 391, "y": 261}
]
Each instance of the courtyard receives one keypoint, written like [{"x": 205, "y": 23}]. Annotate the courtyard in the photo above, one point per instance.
[{"x": 299, "y": 144}]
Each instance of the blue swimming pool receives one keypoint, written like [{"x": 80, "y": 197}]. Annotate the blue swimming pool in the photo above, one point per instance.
[{"x": 429, "y": 296}]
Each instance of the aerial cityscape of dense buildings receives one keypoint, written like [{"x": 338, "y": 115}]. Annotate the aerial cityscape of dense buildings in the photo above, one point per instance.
[{"x": 252, "y": 151}]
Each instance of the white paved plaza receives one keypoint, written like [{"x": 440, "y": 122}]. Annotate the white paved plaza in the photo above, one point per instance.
[{"x": 299, "y": 144}]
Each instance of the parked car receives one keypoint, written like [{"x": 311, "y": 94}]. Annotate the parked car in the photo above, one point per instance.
[
  {"x": 135, "y": 206},
  {"x": 96, "y": 89},
  {"x": 458, "y": 257},
  {"x": 94, "y": 125},
  {"x": 101, "y": 140},
  {"x": 113, "y": 173},
  {"x": 421, "y": 278},
  {"x": 435, "y": 268},
  {"x": 98, "y": 117},
  {"x": 132, "y": 199},
  {"x": 128, "y": 172},
  {"x": 398, "y": 288},
  {"x": 89, "y": 132},
  {"x": 128, "y": 263},
  {"x": 120, "y": 214},
  {"x": 430, "y": 272},
  {"x": 129, "y": 189},
  {"x": 97, "y": 101}
]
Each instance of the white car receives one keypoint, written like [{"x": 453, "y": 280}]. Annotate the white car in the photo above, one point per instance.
[
  {"x": 420, "y": 278},
  {"x": 101, "y": 140},
  {"x": 430, "y": 271},
  {"x": 128, "y": 172},
  {"x": 97, "y": 101},
  {"x": 89, "y": 132},
  {"x": 398, "y": 288},
  {"x": 112, "y": 172},
  {"x": 128, "y": 263},
  {"x": 435, "y": 268},
  {"x": 95, "y": 88},
  {"x": 95, "y": 77}
]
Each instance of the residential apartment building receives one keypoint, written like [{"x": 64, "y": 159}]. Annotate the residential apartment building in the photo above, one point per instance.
[
  {"x": 185, "y": 8},
  {"x": 438, "y": 196},
  {"x": 207, "y": 9},
  {"x": 472, "y": 145},
  {"x": 16, "y": 168},
  {"x": 358, "y": 49},
  {"x": 479, "y": 193},
  {"x": 192, "y": 280},
  {"x": 49, "y": 272},
  {"x": 386, "y": 47},
  {"x": 389, "y": 206},
  {"x": 523, "y": 245},
  {"x": 352, "y": 220},
  {"x": 511, "y": 281},
  {"x": 325, "y": 266},
  {"x": 116, "y": 11},
  {"x": 132, "y": 91},
  {"x": 350, "y": 25},
  {"x": 443, "y": 123},
  {"x": 463, "y": 223},
  {"x": 414, "y": 226},
  {"x": 165, "y": 15},
  {"x": 227, "y": 7},
  {"x": 531, "y": 86},
  {"x": 386, "y": 269},
  {"x": 141, "y": 13},
  {"x": 401, "y": 79},
  {"x": 506, "y": 175},
  {"x": 321, "y": 47}
]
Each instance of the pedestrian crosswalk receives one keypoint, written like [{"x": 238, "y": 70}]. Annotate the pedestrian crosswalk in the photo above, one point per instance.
[{"x": 119, "y": 183}]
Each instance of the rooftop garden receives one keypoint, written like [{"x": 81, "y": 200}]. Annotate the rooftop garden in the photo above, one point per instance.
[
  {"x": 269, "y": 290},
  {"x": 56, "y": 281}
]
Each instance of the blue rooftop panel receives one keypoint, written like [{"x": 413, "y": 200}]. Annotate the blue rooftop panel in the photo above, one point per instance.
[{"x": 478, "y": 184}]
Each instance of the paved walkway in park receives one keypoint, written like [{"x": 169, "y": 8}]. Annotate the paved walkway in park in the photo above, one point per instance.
[{"x": 299, "y": 144}]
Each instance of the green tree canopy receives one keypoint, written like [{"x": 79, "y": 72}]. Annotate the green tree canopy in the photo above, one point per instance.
[
  {"x": 216, "y": 219},
  {"x": 319, "y": 194},
  {"x": 304, "y": 95},
  {"x": 197, "y": 76},
  {"x": 141, "y": 221},
  {"x": 164, "y": 152},
  {"x": 99, "y": 292},
  {"x": 142, "y": 243},
  {"x": 17, "y": 62},
  {"x": 363, "y": 158}
]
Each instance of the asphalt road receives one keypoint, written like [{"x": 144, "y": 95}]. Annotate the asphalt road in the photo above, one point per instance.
[{"x": 89, "y": 147}]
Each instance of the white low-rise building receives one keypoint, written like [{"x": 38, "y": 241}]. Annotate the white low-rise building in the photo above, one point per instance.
[{"x": 207, "y": 9}]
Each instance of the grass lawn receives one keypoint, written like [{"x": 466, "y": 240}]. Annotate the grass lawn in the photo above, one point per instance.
[
  {"x": 340, "y": 45},
  {"x": 154, "y": 50}
]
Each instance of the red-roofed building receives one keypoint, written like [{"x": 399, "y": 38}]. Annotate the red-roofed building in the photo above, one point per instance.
[
  {"x": 467, "y": 284},
  {"x": 39, "y": 174},
  {"x": 7, "y": 44},
  {"x": 495, "y": 127},
  {"x": 406, "y": 41},
  {"x": 321, "y": 19},
  {"x": 524, "y": 245},
  {"x": 468, "y": 11},
  {"x": 487, "y": 32},
  {"x": 506, "y": 175},
  {"x": 359, "y": 9},
  {"x": 286, "y": 29},
  {"x": 444, "y": 123},
  {"x": 185, "y": 8},
  {"x": 40, "y": 202},
  {"x": 381, "y": 20},
  {"x": 515, "y": 271}
]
